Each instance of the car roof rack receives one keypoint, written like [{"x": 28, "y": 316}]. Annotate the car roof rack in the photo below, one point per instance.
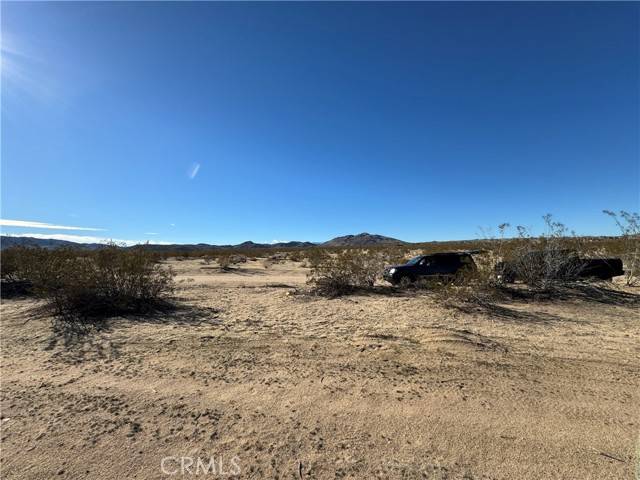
[{"x": 457, "y": 252}]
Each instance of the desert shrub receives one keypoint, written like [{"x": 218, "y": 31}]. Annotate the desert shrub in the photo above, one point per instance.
[
  {"x": 395, "y": 254},
  {"x": 107, "y": 281},
  {"x": 629, "y": 225},
  {"x": 9, "y": 259},
  {"x": 295, "y": 256},
  {"x": 314, "y": 257},
  {"x": 12, "y": 281},
  {"x": 477, "y": 286},
  {"x": 274, "y": 259},
  {"x": 238, "y": 259},
  {"x": 544, "y": 261},
  {"x": 225, "y": 260},
  {"x": 345, "y": 271}
]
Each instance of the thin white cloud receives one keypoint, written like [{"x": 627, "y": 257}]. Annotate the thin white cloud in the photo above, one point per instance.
[
  {"x": 279, "y": 241},
  {"x": 193, "y": 170},
  {"x": 172, "y": 224},
  {"x": 150, "y": 233},
  {"x": 83, "y": 238},
  {"x": 28, "y": 224},
  {"x": 23, "y": 72}
]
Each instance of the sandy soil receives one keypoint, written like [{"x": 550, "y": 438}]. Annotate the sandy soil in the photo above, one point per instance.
[{"x": 279, "y": 385}]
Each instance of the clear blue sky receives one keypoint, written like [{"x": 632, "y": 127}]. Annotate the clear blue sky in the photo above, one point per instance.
[{"x": 420, "y": 121}]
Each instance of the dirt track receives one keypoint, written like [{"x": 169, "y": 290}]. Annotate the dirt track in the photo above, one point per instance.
[{"x": 290, "y": 386}]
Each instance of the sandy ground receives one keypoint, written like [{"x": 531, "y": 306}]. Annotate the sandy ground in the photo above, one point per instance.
[{"x": 273, "y": 385}]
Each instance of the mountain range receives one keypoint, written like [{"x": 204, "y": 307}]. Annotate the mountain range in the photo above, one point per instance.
[{"x": 360, "y": 240}]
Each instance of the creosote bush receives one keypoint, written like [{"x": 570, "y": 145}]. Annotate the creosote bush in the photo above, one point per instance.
[
  {"x": 81, "y": 285},
  {"x": 545, "y": 261},
  {"x": 225, "y": 260},
  {"x": 477, "y": 286},
  {"x": 9, "y": 265},
  {"x": 12, "y": 284},
  {"x": 345, "y": 271},
  {"x": 629, "y": 226}
]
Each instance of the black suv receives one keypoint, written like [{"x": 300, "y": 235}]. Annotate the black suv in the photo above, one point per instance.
[{"x": 435, "y": 266}]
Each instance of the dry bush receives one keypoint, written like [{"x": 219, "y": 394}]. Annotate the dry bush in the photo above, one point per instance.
[
  {"x": 235, "y": 259},
  {"x": 545, "y": 261},
  {"x": 296, "y": 256},
  {"x": 477, "y": 286},
  {"x": 9, "y": 265},
  {"x": 275, "y": 259},
  {"x": 395, "y": 254},
  {"x": 343, "y": 272},
  {"x": 314, "y": 256},
  {"x": 12, "y": 283},
  {"x": 108, "y": 281},
  {"x": 629, "y": 225},
  {"x": 225, "y": 260}
]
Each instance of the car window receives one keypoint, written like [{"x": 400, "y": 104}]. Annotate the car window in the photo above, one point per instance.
[
  {"x": 449, "y": 260},
  {"x": 447, "y": 264},
  {"x": 414, "y": 260}
]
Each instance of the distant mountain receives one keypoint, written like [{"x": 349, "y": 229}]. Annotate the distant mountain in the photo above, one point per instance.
[
  {"x": 9, "y": 241},
  {"x": 362, "y": 240},
  {"x": 49, "y": 243},
  {"x": 293, "y": 244}
]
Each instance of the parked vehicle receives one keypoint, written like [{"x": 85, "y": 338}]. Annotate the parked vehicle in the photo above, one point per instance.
[
  {"x": 567, "y": 264},
  {"x": 444, "y": 266}
]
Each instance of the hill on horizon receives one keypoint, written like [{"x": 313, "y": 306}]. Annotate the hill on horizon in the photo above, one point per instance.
[{"x": 362, "y": 240}]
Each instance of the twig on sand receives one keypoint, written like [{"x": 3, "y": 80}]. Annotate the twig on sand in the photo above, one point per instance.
[
  {"x": 455, "y": 380},
  {"x": 300, "y": 469},
  {"x": 608, "y": 455}
]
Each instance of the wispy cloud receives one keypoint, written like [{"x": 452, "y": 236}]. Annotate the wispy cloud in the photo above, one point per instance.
[
  {"x": 83, "y": 238},
  {"x": 278, "y": 241},
  {"x": 193, "y": 170},
  {"x": 22, "y": 71},
  {"x": 28, "y": 224},
  {"x": 172, "y": 224},
  {"x": 150, "y": 233}
]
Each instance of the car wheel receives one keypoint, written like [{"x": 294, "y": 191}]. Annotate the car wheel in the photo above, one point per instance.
[{"x": 405, "y": 281}]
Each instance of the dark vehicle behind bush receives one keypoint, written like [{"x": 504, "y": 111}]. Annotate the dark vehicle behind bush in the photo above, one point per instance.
[
  {"x": 437, "y": 266},
  {"x": 557, "y": 265}
]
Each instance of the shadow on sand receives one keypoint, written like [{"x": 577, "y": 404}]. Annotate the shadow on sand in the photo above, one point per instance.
[{"x": 91, "y": 337}]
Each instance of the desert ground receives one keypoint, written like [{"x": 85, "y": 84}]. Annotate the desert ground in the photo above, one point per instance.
[{"x": 279, "y": 384}]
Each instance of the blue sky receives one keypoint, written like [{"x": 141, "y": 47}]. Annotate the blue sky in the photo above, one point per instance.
[{"x": 221, "y": 122}]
